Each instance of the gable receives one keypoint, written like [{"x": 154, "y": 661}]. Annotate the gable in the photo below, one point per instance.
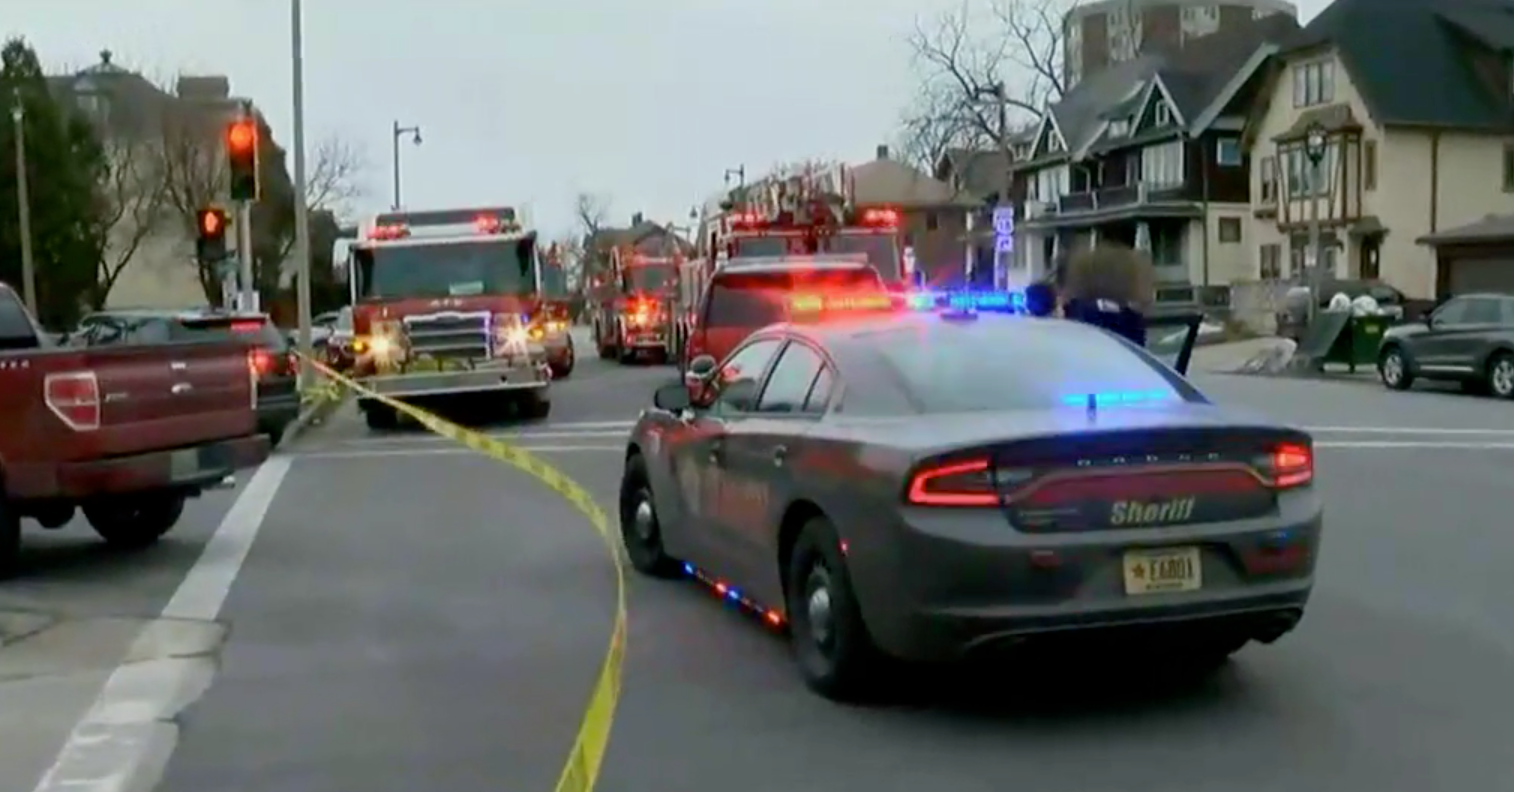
[
  {"x": 1158, "y": 110},
  {"x": 1049, "y": 139}
]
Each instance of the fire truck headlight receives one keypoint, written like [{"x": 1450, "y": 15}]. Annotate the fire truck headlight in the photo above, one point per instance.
[{"x": 384, "y": 349}]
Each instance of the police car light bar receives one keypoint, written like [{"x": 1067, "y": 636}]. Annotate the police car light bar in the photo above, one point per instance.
[
  {"x": 1006, "y": 302},
  {"x": 839, "y": 303}
]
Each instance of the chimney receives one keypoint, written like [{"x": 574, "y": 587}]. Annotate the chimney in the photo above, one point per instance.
[
  {"x": 883, "y": 151},
  {"x": 636, "y": 219}
]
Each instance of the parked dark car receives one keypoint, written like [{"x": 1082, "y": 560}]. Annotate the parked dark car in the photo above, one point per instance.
[
  {"x": 1467, "y": 339},
  {"x": 271, "y": 358}
]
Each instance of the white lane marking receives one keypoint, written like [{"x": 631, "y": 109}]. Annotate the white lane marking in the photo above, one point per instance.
[
  {"x": 130, "y": 721},
  {"x": 1406, "y": 430},
  {"x": 412, "y": 452},
  {"x": 1440, "y": 444}
]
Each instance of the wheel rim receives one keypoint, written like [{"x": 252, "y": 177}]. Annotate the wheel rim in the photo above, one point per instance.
[
  {"x": 1503, "y": 376},
  {"x": 1393, "y": 368},
  {"x": 644, "y": 518},
  {"x": 818, "y": 612}
]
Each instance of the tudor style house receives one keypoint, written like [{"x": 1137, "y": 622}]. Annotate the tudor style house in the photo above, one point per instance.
[
  {"x": 1141, "y": 154},
  {"x": 1415, "y": 99}
]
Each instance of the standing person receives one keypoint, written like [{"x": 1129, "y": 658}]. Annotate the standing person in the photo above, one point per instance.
[{"x": 1110, "y": 286}]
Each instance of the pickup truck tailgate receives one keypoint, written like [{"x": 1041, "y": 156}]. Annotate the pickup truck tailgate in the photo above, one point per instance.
[{"x": 172, "y": 395}]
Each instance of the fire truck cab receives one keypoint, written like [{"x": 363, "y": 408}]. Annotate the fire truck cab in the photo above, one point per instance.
[
  {"x": 633, "y": 308},
  {"x": 553, "y": 322},
  {"x": 442, "y": 313},
  {"x": 810, "y": 212}
]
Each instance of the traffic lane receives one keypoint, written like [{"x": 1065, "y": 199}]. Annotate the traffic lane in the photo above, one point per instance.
[
  {"x": 1397, "y": 679},
  {"x": 70, "y": 618},
  {"x": 1315, "y": 402},
  {"x": 403, "y": 622}
]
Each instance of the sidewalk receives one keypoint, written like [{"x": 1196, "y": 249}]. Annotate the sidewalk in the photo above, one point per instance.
[{"x": 1266, "y": 357}]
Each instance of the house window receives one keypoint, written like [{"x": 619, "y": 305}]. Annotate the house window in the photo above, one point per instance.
[
  {"x": 1119, "y": 128},
  {"x": 1132, "y": 170},
  {"x": 1313, "y": 83},
  {"x": 1508, "y": 168},
  {"x": 932, "y": 221},
  {"x": 1162, "y": 165},
  {"x": 1163, "y": 114},
  {"x": 1369, "y": 165},
  {"x": 1269, "y": 179},
  {"x": 1301, "y": 176},
  {"x": 1230, "y": 230},
  {"x": 1270, "y": 257},
  {"x": 1227, "y": 152}
]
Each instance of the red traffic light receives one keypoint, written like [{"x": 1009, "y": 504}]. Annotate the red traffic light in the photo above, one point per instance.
[
  {"x": 241, "y": 136},
  {"x": 212, "y": 222}
]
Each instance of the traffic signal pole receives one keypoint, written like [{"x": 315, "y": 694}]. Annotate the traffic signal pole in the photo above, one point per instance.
[
  {"x": 301, "y": 209},
  {"x": 249, "y": 292}
]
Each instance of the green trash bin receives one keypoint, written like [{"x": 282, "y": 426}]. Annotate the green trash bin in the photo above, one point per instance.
[{"x": 1358, "y": 342}]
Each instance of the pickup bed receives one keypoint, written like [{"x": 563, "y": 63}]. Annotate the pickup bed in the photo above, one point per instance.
[{"x": 124, "y": 434}]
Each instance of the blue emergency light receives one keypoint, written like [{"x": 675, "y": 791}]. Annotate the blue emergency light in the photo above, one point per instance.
[
  {"x": 968, "y": 301},
  {"x": 1118, "y": 398}
]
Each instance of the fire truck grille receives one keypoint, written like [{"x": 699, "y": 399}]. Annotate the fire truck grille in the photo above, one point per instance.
[{"x": 449, "y": 335}]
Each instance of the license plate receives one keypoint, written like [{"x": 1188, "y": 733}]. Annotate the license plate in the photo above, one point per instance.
[
  {"x": 1163, "y": 571},
  {"x": 184, "y": 465}
]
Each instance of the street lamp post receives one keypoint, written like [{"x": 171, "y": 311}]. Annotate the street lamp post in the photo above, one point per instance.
[
  {"x": 24, "y": 208},
  {"x": 415, "y": 137},
  {"x": 999, "y": 94},
  {"x": 1315, "y": 142},
  {"x": 301, "y": 210}
]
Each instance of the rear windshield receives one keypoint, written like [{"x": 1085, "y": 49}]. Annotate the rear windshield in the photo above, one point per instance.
[
  {"x": 758, "y": 299},
  {"x": 1001, "y": 368},
  {"x": 17, "y": 331},
  {"x": 254, "y": 329}
]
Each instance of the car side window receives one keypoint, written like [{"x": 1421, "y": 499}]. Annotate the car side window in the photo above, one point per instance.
[
  {"x": 1452, "y": 313},
  {"x": 1483, "y": 310},
  {"x": 790, "y": 381},
  {"x": 819, "y": 396},
  {"x": 102, "y": 332},
  {"x": 1506, "y": 310},
  {"x": 736, "y": 381},
  {"x": 148, "y": 331}
]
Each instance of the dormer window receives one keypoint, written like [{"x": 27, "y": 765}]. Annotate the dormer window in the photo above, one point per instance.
[
  {"x": 1163, "y": 114},
  {"x": 1119, "y": 127}
]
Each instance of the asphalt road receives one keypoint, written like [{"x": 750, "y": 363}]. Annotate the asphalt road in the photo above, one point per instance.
[{"x": 410, "y": 616}]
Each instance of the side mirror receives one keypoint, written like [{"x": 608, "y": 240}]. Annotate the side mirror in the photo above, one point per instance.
[
  {"x": 673, "y": 397},
  {"x": 699, "y": 371}
]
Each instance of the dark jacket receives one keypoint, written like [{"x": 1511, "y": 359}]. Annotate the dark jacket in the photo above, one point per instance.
[{"x": 1121, "y": 320}]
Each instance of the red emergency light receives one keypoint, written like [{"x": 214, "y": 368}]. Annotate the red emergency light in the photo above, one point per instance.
[
  {"x": 384, "y": 232},
  {"x": 488, "y": 224},
  {"x": 746, "y": 219},
  {"x": 881, "y": 218}
]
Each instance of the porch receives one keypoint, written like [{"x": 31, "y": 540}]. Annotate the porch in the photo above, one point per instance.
[{"x": 1174, "y": 243}]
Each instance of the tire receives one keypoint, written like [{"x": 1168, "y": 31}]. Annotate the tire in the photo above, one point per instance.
[
  {"x": 536, "y": 405},
  {"x": 1500, "y": 375},
  {"x": 135, "y": 522},
  {"x": 381, "y": 417},
  {"x": 839, "y": 659},
  {"x": 10, "y": 538},
  {"x": 564, "y": 368},
  {"x": 640, "y": 530},
  {"x": 1393, "y": 368}
]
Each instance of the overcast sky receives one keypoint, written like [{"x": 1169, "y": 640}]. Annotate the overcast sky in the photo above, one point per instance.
[{"x": 532, "y": 101}]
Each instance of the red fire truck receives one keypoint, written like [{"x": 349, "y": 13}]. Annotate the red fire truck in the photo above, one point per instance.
[
  {"x": 633, "y": 304},
  {"x": 442, "y": 307},
  {"x": 810, "y": 212}
]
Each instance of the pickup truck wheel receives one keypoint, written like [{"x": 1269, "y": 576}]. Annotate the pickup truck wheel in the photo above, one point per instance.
[
  {"x": 137, "y": 522},
  {"x": 10, "y": 539},
  {"x": 381, "y": 417}
]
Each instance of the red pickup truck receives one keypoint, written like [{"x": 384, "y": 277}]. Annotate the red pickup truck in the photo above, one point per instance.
[{"x": 124, "y": 434}]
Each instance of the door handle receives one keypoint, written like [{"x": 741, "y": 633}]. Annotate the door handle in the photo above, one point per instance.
[
  {"x": 780, "y": 455},
  {"x": 717, "y": 452},
  {"x": 180, "y": 388},
  {"x": 178, "y": 365}
]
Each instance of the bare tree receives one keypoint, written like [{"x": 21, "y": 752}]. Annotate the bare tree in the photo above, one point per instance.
[
  {"x": 133, "y": 205},
  {"x": 592, "y": 212},
  {"x": 962, "y": 58},
  {"x": 333, "y": 180}
]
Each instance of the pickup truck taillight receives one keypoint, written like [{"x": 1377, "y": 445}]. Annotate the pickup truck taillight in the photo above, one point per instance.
[
  {"x": 260, "y": 361},
  {"x": 74, "y": 396}
]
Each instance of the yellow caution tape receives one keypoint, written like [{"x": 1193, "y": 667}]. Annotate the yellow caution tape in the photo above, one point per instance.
[{"x": 588, "y": 753}]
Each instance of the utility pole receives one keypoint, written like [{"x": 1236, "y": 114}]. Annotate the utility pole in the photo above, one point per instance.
[
  {"x": 24, "y": 208},
  {"x": 399, "y": 132},
  {"x": 1315, "y": 143},
  {"x": 999, "y": 94},
  {"x": 739, "y": 172},
  {"x": 301, "y": 209},
  {"x": 249, "y": 296}
]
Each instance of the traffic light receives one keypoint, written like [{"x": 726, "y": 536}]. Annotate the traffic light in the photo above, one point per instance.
[
  {"x": 242, "y": 159},
  {"x": 210, "y": 235}
]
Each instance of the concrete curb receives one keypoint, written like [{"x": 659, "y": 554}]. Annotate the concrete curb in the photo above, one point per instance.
[{"x": 311, "y": 417}]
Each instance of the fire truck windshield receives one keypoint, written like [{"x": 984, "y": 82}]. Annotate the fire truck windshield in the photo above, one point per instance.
[
  {"x": 554, "y": 280},
  {"x": 757, "y": 299},
  {"x": 763, "y": 246},
  {"x": 880, "y": 250},
  {"x": 648, "y": 277},
  {"x": 447, "y": 269}
]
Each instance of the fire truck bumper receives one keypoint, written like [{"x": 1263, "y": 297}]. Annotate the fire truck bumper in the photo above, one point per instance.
[
  {"x": 445, "y": 383},
  {"x": 645, "y": 342}
]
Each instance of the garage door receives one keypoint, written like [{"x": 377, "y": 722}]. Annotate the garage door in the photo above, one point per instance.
[{"x": 1481, "y": 275}]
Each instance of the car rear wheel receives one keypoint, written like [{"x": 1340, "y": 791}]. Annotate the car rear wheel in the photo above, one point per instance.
[
  {"x": 1393, "y": 368},
  {"x": 380, "y": 417},
  {"x": 10, "y": 537},
  {"x": 1501, "y": 375},
  {"x": 563, "y": 367},
  {"x": 831, "y": 644},
  {"x": 640, "y": 530},
  {"x": 135, "y": 521}
]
